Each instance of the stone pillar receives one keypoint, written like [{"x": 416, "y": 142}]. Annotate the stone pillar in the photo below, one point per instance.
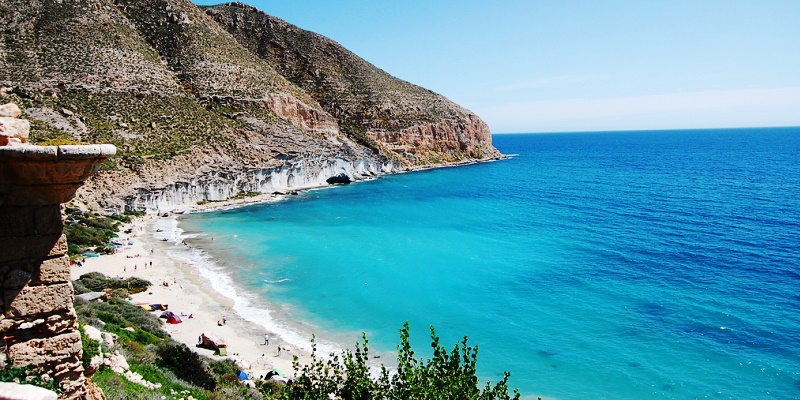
[{"x": 38, "y": 325}]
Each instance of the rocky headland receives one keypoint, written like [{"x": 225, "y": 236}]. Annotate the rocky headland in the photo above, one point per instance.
[{"x": 211, "y": 103}]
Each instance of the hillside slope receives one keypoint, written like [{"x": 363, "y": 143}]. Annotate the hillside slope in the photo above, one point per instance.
[
  {"x": 405, "y": 120},
  {"x": 197, "y": 114}
]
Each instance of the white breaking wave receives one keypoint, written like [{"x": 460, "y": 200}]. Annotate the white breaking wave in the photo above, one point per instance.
[{"x": 248, "y": 305}]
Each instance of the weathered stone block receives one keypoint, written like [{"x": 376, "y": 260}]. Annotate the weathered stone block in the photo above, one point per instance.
[
  {"x": 40, "y": 195},
  {"x": 52, "y": 270},
  {"x": 16, "y": 221},
  {"x": 60, "y": 349},
  {"x": 32, "y": 300},
  {"x": 6, "y": 324},
  {"x": 60, "y": 323},
  {"x": 74, "y": 389},
  {"x": 69, "y": 370},
  {"x": 16, "y": 279},
  {"x": 59, "y": 248},
  {"x": 66, "y": 152},
  {"x": 48, "y": 220},
  {"x": 7, "y": 267},
  {"x": 32, "y": 247}
]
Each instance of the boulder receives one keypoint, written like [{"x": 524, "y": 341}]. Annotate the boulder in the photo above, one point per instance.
[
  {"x": 92, "y": 333},
  {"x": 341, "y": 179},
  {"x": 211, "y": 341},
  {"x": 13, "y": 128},
  {"x": 116, "y": 362},
  {"x": 10, "y": 110},
  {"x": 15, "y": 391},
  {"x": 109, "y": 339}
]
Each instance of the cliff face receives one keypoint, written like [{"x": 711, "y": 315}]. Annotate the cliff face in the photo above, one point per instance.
[
  {"x": 207, "y": 104},
  {"x": 406, "y": 121}
]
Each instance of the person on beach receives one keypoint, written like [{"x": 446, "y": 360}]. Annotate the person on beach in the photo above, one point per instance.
[{"x": 266, "y": 339}]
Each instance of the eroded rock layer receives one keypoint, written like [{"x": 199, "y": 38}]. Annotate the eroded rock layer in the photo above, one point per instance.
[{"x": 407, "y": 121}]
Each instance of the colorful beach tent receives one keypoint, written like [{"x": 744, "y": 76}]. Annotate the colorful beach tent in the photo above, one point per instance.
[
  {"x": 276, "y": 375},
  {"x": 167, "y": 314},
  {"x": 153, "y": 307},
  {"x": 174, "y": 319},
  {"x": 242, "y": 376}
]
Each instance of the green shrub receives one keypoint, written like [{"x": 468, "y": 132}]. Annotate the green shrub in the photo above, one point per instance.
[
  {"x": 115, "y": 387},
  {"x": 90, "y": 347},
  {"x": 168, "y": 381},
  {"x": 448, "y": 375},
  {"x": 27, "y": 375},
  {"x": 117, "y": 314},
  {"x": 87, "y": 230},
  {"x": 97, "y": 282},
  {"x": 226, "y": 370},
  {"x": 185, "y": 364}
]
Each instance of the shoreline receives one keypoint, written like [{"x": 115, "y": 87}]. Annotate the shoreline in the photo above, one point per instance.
[
  {"x": 215, "y": 205},
  {"x": 188, "y": 293}
]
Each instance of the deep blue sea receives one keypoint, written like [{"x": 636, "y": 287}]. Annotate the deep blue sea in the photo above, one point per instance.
[{"x": 609, "y": 265}]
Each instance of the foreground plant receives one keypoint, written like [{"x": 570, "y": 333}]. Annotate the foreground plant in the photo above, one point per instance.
[{"x": 448, "y": 375}]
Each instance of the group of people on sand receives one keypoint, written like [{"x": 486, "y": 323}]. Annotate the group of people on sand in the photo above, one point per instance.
[{"x": 136, "y": 266}]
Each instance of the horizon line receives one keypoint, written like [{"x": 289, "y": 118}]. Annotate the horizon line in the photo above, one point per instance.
[{"x": 646, "y": 130}]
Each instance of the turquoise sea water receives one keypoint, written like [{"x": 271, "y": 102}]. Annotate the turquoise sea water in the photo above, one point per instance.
[{"x": 616, "y": 265}]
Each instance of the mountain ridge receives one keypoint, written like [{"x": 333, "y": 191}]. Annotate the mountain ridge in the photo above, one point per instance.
[{"x": 199, "y": 113}]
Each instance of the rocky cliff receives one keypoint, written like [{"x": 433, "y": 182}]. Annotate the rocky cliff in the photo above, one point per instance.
[
  {"x": 206, "y": 104},
  {"x": 403, "y": 120}
]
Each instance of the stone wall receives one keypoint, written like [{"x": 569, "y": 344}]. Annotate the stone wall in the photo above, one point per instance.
[{"x": 38, "y": 325}]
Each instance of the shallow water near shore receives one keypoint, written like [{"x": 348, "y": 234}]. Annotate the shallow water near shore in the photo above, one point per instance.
[{"x": 615, "y": 265}]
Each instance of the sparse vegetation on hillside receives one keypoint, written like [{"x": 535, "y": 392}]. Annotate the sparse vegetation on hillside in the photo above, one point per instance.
[
  {"x": 366, "y": 101},
  {"x": 87, "y": 230}
]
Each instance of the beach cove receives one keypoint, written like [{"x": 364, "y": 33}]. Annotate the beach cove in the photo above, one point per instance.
[{"x": 178, "y": 285}]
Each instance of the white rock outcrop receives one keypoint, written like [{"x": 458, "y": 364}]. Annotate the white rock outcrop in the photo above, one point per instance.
[{"x": 13, "y": 130}]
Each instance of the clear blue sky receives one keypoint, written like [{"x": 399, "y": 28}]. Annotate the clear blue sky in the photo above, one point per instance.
[{"x": 555, "y": 66}]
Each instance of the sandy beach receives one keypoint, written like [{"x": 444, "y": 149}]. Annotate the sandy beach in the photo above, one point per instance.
[{"x": 176, "y": 284}]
